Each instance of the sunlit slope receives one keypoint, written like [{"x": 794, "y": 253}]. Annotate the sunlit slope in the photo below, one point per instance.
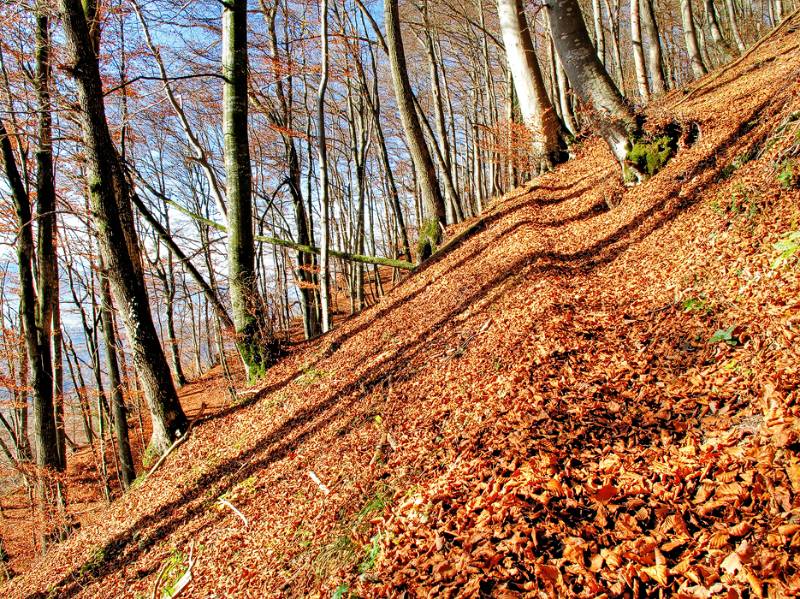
[{"x": 572, "y": 401}]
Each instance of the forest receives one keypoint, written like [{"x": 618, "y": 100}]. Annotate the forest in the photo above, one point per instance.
[{"x": 355, "y": 298}]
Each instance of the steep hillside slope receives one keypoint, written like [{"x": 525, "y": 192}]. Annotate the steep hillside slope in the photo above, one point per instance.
[{"x": 573, "y": 401}]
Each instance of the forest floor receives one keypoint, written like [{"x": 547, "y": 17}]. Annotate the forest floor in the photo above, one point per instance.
[
  {"x": 205, "y": 395},
  {"x": 574, "y": 401}
]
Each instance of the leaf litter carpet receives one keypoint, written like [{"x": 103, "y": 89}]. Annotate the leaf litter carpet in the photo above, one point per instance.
[{"x": 574, "y": 401}]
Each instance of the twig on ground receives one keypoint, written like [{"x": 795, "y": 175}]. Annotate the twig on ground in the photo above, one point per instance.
[
  {"x": 313, "y": 476},
  {"x": 230, "y": 506},
  {"x": 172, "y": 447}
]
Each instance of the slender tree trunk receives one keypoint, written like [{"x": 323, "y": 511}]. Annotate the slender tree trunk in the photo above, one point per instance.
[
  {"x": 423, "y": 164},
  {"x": 47, "y": 266},
  {"x": 80, "y": 390},
  {"x": 373, "y": 101},
  {"x": 174, "y": 347},
  {"x": 690, "y": 36},
  {"x": 322, "y": 156},
  {"x": 118, "y": 241},
  {"x": 39, "y": 357},
  {"x": 614, "y": 23},
  {"x": 729, "y": 4},
  {"x": 537, "y": 111},
  {"x": 283, "y": 120},
  {"x": 438, "y": 111},
  {"x": 567, "y": 113},
  {"x": 599, "y": 35},
  {"x": 655, "y": 63},
  {"x": 126, "y": 467},
  {"x": 588, "y": 77},
  {"x": 166, "y": 237},
  {"x": 716, "y": 32},
  {"x": 638, "y": 52}
]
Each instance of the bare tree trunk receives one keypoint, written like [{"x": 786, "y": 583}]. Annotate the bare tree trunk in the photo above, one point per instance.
[
  {"x": 655, "y": 63},
  {"x": 118, "y": 240},
  {"x": 323, "y": 169},
  {"x": 420, "y": 154},
  {"x": 588, "y": 77},
  {"x": 599, "y": 36},
  {"x": 126, "y": 467},
  {"x": 537, "y": 111},
  {"x": 716, "y": 33},
  {"x": 283, "y": 120},
  {"x": 729, "y": 4},
  {"x": 373, "y": 101},
  {"x": 58, "y": 382},
  {"x": 638, "y": 53},
  {"x": 248, "y": 313},
  {"x": 80, "y": 390},
  {"x": 614, "y": 23},
  {"x": 451, "y": 202},
  {"x": 690, "y": 36}
]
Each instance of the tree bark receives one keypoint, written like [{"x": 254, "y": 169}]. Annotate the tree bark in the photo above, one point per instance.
[
  {"x": 655, "y": 62},
  {"x": 113, "y": 216},
  {"x": 638, "y": 53},
  {"x": 45, "y": 427},
  {"x": 599, "y": 36},
  {"x": 322, "y": 155},
  {"x": 37, "y": 346},
  {"x": 615, "y": 120},
  {"x": 58, "y": 383},
  {"x": 716, "y": 32},
  {"x": 127, "y": 469},
  {"x": 734, "y": 26},
  {"x": 246, "y": 301},
  {"x": 690, "y": 36},
  {"x": 537, "y": 111},
  {"x": 420, "y": 154}
]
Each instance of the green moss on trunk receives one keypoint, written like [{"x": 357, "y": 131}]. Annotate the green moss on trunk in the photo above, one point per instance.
[{"x": 430, "y": 234}]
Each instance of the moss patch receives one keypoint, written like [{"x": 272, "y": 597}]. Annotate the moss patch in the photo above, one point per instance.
[
  {"x": 429, "y": 237},
  {"x": 649, "y": 155}
]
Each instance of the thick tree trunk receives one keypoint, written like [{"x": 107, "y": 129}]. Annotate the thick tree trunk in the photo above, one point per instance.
[
  {"x": 655, "y": 63},
  {"x": 245, "y": 299},
  {"x": 110, "y": 196},
  {"x": 420, "y": 154},
  {"x": 638, "y": 53},
  {"x": 690, "y": 36},
  {"x": 615, "y": 120},
  {"x": 537, "y": 111},
  {"x": 126, "y": 468}
]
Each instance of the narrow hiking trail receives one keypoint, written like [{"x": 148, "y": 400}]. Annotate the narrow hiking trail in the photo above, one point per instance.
[{"x": 542, "y": 411}]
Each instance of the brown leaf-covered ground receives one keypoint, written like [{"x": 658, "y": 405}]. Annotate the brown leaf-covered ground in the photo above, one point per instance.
[{"x": 543, "y": 411}]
